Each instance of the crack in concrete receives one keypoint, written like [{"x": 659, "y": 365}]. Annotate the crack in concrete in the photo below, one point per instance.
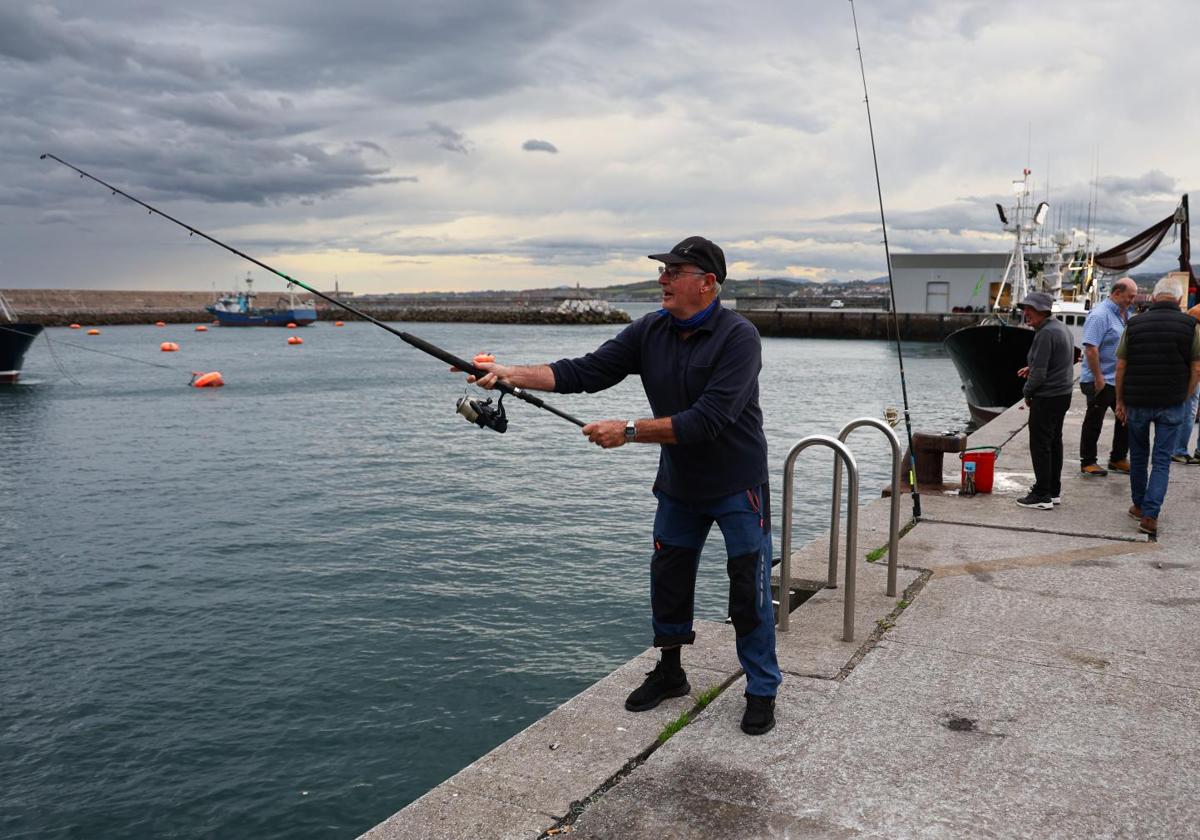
[
  {"x": 885, "y": 624},
  {"x": 1028, "y": 529},
  {"x": 563, "y": 824},
  {"x": 579, "y": 806}
]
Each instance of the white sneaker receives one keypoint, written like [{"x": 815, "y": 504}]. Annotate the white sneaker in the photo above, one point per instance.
[
  {"x": 1036, "y": 502},
  {"x": 1056, "y": 500}
]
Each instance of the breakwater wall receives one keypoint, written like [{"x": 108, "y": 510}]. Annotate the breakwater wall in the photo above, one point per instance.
[
  {"x": 833, "y": 323},
  {"x": 487, "y": 314},
  {"x": 61, "y": 307}
]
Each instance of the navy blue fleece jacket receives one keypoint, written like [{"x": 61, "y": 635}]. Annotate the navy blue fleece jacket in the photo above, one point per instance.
[{"x": 707, "y": 384}]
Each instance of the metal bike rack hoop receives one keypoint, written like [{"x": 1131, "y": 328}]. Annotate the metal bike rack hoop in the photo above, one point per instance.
[
  {"x": 841, "y": 453},
  {"x": 894, "y": 527}
]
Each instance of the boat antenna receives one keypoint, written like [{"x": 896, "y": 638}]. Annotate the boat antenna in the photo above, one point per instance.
[
  {"x": 912, "y": 455},
  {"x": 421, "y": 344}
]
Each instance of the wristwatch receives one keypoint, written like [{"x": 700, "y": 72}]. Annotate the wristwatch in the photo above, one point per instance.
[{"x": 630, "y": 430}]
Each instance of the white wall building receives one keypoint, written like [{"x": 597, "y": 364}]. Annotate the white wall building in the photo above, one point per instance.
[{"x": 942, "y": 282}]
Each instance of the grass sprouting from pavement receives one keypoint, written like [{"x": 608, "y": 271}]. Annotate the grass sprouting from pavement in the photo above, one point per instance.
[{"x": 705, "y": 697}]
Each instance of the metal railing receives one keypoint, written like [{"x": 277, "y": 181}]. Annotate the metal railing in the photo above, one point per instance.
[
  {"x": 835, "y": 518},
  {"x": 841, "y": 453}
]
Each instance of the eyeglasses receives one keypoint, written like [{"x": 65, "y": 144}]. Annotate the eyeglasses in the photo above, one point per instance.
[{"x": 671, "y": 272}]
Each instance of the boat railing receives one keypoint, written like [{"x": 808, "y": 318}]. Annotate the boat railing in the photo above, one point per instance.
[{"x": 5, "y": 311}]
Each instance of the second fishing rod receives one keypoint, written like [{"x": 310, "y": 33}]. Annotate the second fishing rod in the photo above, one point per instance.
[{"x": 480, "y": 412}]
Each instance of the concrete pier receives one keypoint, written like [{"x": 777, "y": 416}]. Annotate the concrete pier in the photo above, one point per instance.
[{"x": 1039, "y": 677}]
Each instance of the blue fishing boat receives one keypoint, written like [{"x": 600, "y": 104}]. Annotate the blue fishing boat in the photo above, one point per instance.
[{"x": 237, "y": 309}]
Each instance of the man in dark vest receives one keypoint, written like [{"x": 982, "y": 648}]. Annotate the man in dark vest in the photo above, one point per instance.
[
  {"x": 1158, "y": 366},
  {"x": 1048, "y": 380}
]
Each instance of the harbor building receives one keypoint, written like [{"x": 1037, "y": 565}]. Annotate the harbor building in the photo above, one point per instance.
[{"x": 946, "y": 282}]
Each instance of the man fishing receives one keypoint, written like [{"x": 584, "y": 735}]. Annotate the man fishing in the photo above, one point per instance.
[{"x": 699, "y": 365}]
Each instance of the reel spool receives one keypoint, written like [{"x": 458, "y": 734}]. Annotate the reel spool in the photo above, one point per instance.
[{"x": 482, "y": 413}]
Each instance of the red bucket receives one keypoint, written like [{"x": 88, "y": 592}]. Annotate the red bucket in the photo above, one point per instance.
[{"x": 985, "y": 467}]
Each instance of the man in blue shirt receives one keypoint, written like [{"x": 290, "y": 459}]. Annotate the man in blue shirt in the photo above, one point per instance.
[
  {"x": 1102, "y": 333},
  {"x": 699, "y": 365}
]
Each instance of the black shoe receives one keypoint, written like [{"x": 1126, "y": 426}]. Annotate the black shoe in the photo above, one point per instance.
[
  {"x": 660, "y": 684},
  {"x": 759, "y": 717},
  {"x": 1036, "y": 502}
]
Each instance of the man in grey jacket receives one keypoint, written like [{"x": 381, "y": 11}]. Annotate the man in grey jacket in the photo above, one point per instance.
[{"x": 1048, "y": 380}]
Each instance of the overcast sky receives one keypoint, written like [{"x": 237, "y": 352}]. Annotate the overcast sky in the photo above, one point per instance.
[{"x": 462, "y": 144}]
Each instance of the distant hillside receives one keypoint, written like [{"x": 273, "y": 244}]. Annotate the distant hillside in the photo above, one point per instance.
[{"x": 1147, "y": 279}]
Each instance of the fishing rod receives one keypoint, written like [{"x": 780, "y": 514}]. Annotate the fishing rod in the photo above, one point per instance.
[
  {"x": 480, "y": 412},
  {"x": 912, "y": 455}
]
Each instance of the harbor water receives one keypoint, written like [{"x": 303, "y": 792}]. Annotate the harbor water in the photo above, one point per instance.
[{"x": 290, "y": 606}]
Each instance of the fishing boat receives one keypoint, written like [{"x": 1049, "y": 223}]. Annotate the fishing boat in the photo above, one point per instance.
[
  {"x": 237, "y": 309},
  {"x": 15, "y": 338},
  {"x": 987, "y": 355}
]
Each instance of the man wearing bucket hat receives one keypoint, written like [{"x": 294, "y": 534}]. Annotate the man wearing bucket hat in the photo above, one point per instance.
[
  {"x": 1048, "y": 380},
  {"x": 699, "y": 365}
]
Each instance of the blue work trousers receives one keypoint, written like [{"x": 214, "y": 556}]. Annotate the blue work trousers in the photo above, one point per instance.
[
  {"x": 1148, "y": 493},
  {"x": 680, "y": 528}
]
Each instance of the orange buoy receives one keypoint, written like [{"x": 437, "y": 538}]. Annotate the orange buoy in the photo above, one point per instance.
[
  {"x": 93, "y": 332},
  {"x": 291, "y": 325},
  {"x": 168, "y": 347},
  {"x": 75, "y": 327},
  {"x": 201, "y": 328},
  {"x": 295, "y": 339},
  {"x": 216, "y": 323},
  {"x": 206, "y": 380},
  {"x": 484, "y": 357},
  {"x": 160, "y": 323},
  {"x": 339, "y": 323}
]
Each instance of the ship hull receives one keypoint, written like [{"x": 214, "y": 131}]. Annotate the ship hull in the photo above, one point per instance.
[
  {"x": 265, "y": 317},
  {"x": 987, "y": 358},
  {"x": 15, "y": 339}
]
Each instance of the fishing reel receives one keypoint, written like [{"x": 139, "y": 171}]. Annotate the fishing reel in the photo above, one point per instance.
[{"x": 482, "y": 413}]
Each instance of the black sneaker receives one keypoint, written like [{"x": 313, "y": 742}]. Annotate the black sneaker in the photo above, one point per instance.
[
  {"x": 660, "y": 684},
  {"x": 1036, "y": 502},
  {"x": 759, "y": 717}
]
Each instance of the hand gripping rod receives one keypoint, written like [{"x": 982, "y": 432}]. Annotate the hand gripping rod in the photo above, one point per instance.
[{"x": 420, "y": 343}]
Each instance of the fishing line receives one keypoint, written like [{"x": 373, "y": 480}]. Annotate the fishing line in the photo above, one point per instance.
[
  {"x": 912, "y": 468},
  {"x": 58, "y": 363},
  {"x": 420, "y": 343},
  {"x": 94, "y": 350}
]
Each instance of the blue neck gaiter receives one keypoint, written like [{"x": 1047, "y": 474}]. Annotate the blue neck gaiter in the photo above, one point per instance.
[{"x": 696, "y": 320}]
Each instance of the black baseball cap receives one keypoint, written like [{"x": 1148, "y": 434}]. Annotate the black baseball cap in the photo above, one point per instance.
[{"x": 697, "y": 251}]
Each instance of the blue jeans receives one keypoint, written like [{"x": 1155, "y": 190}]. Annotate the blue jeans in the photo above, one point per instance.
[
  {"x": 1148, "y": 494},
  {"x": 680, "y": 528},
  {"x": 1189, "y": 423}
]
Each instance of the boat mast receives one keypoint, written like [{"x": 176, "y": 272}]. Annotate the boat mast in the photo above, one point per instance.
[{"x": 1015, "y": 276}]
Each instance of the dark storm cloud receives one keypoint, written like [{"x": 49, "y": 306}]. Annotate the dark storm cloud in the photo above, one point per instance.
[
  {"x": 449, "y": 139},
  {"x": 539, "y": 146},
  {"x": 156, "y": 95},
  {"x": 40, "y": 34},
  {"x": 1153, "y": 182}
]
